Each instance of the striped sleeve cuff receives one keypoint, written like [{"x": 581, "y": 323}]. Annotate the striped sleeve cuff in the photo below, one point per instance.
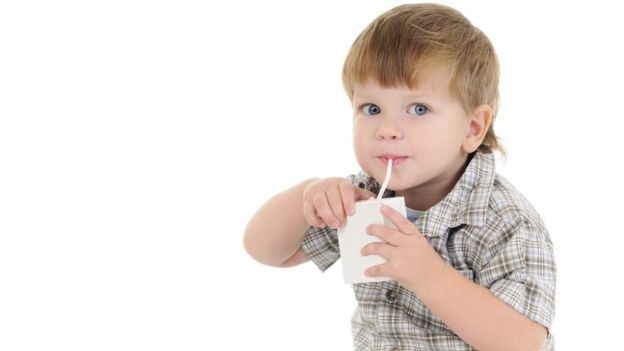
[
  {"x": 321, "y": 246},
  {"x": 530, "y": 296}
]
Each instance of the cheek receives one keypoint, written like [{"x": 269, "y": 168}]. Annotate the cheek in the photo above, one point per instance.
[
  {"x": 358, "y": 134},
  {"x": 425, "y": 138},
  {"x": 432, "y": 143},
  {"x": 361, "y": 144},
  {"x": 441, "y": 134}
]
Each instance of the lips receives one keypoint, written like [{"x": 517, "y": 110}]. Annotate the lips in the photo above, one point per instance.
[
  {"x": 391, "y": 156},
  {"x": 396, "y": 160}
]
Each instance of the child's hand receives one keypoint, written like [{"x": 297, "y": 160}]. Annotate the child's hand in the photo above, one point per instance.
[
  {"x": 328, "y": 201},
  {"x": 411, "y": 260}
]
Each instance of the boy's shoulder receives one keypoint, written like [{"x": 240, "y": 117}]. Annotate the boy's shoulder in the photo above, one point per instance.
[
  {"x": 512, "y": 215},
  {"x": 502, "y": 210},
  {"x": 511, "y": 205}
]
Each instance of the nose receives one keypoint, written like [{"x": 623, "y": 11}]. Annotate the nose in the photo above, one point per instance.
[{"x": 389, "y": 130}]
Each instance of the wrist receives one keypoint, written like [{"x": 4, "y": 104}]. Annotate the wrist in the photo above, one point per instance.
[{"x": 435, "y": 277}]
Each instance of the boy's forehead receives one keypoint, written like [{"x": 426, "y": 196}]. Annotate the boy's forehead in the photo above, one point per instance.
[{"x": 426, "y": 83}]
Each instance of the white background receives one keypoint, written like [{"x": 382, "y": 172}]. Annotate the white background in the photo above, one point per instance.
[{"x": 137, "y": 138}]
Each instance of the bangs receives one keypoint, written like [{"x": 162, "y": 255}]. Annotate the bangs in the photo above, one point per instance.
[{"x": 392, "y": 56}]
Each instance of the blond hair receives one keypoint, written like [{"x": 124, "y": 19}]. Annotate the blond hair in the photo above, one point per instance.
[{"x": 403, "y": 42}]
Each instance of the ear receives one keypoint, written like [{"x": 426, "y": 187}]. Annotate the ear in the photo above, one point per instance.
[{"x": 478, "y": 124}]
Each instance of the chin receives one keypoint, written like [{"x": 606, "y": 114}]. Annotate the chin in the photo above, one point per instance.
[{"x": 391, "y": 186}]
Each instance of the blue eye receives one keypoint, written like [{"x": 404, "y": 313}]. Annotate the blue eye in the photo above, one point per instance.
[
  {"x": 419, "y": 109},
  {"x": 371, "y": 109}
]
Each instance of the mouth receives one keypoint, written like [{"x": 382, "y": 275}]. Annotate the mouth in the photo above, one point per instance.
[{"x": 396, "y": 160}]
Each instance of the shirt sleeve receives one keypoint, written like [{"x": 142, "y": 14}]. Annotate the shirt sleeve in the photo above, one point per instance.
[
  {"x": 522, "y": 272},
  {"x": 321, "y": 246}
]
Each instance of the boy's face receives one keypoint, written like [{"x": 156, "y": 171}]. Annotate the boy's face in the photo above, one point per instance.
[{"x": 427, "y": 127}]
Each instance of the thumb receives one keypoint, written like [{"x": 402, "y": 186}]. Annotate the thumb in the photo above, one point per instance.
[{"x": 363, "y": 194}]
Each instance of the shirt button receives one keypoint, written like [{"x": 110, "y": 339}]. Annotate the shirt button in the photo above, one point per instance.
[{"x": 391, "y": 295}]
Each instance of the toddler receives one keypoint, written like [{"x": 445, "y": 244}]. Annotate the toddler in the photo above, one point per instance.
[{"x": 472, "y": 265}]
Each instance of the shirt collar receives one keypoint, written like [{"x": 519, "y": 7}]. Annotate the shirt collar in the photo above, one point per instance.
[{"x": 466, "y": 203}]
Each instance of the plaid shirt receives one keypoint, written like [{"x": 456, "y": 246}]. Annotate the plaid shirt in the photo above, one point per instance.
[{"x": 486, "y": 230}]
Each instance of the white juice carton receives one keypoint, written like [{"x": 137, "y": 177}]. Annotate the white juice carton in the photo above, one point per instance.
[{"x": 353, "y": 237}]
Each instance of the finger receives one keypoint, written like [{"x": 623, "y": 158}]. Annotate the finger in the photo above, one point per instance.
[
  {"x": 363, "y": 194},
  {"x": 380, "y": 270},
  {"x": 335, "y": 203},
  {"x": 324, "y": 211},
  {"x": 383, "y": 250},
  {"x": 310, "y": 216},
  {"x": 347, "y": 192},
  {"x": 402, "y": 223},
  {"x": 387, "y": 234}
]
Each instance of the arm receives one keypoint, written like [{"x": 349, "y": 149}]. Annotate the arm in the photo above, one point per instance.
[
  {"x": 473, "y": 312},
  {"x": 479, "y": 317},
  {"x": 275, "y": 232}
]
